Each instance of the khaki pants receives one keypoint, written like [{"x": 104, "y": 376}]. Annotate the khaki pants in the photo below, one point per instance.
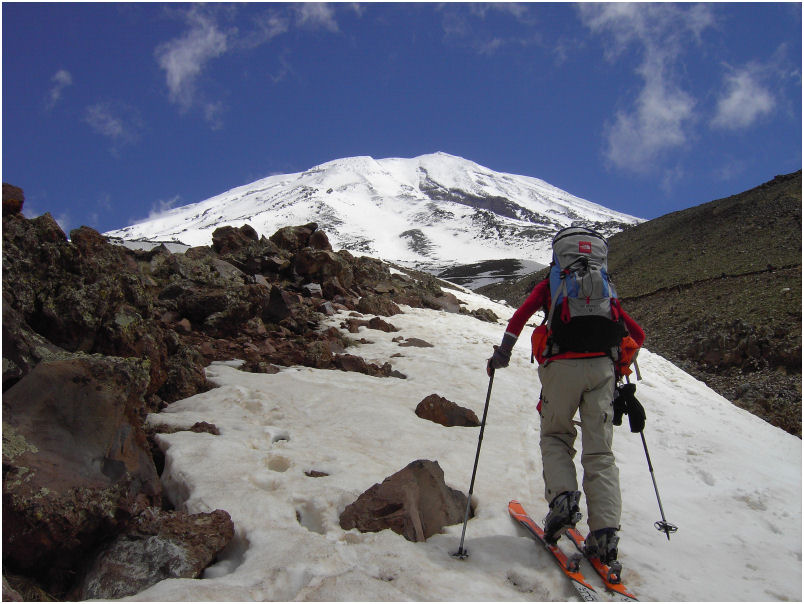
[{"x": 588, "y": 384}]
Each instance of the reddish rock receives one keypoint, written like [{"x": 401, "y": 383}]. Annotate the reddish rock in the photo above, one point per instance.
[
  {"x": 320, "y": 241},
  {"x": 415, "y": 503},
  {"x": 229, "y": 239},
  {"x": 378, "y": 305},
  {"x": 294, "y": 238},
  {"x": 322, "y": 265},
  {"x": 75, "y": 458},
  {"x": 353, "y": 325},
  {"x": 13, "y": 199},
  {"x": 414, "y": 342},
  {"x": 442, "y": 411},
  {"x": 88, "y": 240}
]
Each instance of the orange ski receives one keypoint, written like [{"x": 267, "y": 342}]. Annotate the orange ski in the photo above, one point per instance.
[
  {"x": 610, "y": 576},
  {"x": 568, "y": 564}
]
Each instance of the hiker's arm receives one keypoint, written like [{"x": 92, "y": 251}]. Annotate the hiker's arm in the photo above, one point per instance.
[
  {"x": 634, "y": 330},
  {"x": 537, "y": 299}
]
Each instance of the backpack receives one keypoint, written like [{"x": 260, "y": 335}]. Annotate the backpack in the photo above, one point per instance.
[{"x": 583, "y": 315}]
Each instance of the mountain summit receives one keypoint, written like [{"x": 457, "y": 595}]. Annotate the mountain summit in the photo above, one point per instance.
[{"x": 430, "y": 211}]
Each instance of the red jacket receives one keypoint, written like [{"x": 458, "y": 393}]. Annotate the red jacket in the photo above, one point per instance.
[{"x": 539, "y": 298}]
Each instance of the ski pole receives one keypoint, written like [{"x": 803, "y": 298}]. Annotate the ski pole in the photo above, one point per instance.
[
  {"x": 462, "y": 553},
  {"x": 661, "y": 525}
]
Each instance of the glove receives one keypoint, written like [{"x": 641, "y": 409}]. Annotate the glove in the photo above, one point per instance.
[
  {"x": 625, "y": 402},
  {"x": 502, "y": 353},
  {"x": 620, "y": 407}
]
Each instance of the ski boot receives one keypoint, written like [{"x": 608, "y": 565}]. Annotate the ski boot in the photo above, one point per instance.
[
  {"x": 602, "y": 544},
  {"x": 563, "y": 514}
]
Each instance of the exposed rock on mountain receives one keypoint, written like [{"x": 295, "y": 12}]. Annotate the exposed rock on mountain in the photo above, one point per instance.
[{"x": 96, "y": 336}]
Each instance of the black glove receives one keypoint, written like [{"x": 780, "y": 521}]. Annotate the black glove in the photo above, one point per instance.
[
  {"x": 625, "y": 402},
  {"x": 502, "y": 353},
  {"x": 620, "y": 407}
]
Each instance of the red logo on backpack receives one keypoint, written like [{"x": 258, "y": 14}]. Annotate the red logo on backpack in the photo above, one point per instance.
[{"x": 584, "y": 247}]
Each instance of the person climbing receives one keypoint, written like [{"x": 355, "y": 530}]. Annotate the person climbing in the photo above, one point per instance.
[{"x": 577, "y": 347}]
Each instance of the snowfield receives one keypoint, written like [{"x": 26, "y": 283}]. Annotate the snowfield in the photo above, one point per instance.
[{"x": 730, "y": 481}]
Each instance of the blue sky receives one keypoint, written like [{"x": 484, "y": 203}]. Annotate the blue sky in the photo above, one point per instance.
[{"x": 114, "y": 111}]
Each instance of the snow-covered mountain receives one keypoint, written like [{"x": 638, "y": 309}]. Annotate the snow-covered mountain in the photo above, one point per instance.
[{"x": 431, "y": 211}]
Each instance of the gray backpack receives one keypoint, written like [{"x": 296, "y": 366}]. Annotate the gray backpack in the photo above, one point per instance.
[{"x": 584, "y": 311}]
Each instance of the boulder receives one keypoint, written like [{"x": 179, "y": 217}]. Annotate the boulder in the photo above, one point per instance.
[
  {"x": 23, "y": 348},
  {"x": 229, "y": 239},
  {"x": 378, "y": 305},
  {"x": 442, "y": 411},
  {"x": 415, "y": 503},
  {"x": 88, "y": 240},
  {"x": 76, "y": 461},
  {"x": 13, "y": 198},
  {"x": 158, "y": 545},
  {"x": 320, "y": 241},
  {"x": 354, "y": 325},
  {"x": 294, "y": 238},
  {"x": 350, "y": 362},
  {"x": 322, "y": 265}
]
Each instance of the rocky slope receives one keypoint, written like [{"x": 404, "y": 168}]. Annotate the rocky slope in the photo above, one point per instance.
[
  {"x": 96, "y": 336},
  {"x": 718, "y": 289}
]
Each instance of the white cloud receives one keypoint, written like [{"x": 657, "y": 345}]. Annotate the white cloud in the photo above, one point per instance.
[
  {"x": 464, "y": 25},
  {"x": 267, "y": 26},
  {"x": 317, "y": 15},
  {"x": 744, "y": 99},
  {"x": 662, "y": 116},
  {"x": 117, "y": 121},
  {"x": 61, "y": 80},
  {"x": 161, "y": 206},
  {"x": 184, "y": 58}
]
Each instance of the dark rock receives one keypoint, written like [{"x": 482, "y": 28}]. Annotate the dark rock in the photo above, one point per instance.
[
  {"x": 294, "y": 238},
  {"x": 259, "y": 367},
  {"x": 23, "y": 348},
  {"x": 350, "y": 362},
  {"x": 75, "y": 459},
  {"x": 13, "y": 199},
  {"x": 353, "y": 325},
  {"x": 88, "y": 240},
  {"x": 158, "y": 545},
  {"x": 229, "y": 239},
  {"x": 9, "y": 593},
  {"x": 279, "y": 307},
  {"x": 415, "y": 503},
  {"x": 414, "y": 342},
  {"x": 378, "y": 305},
  {"x": 448, "y": 302},
  {"x": 442, "y": 411},
  {"x": 484, "y": 314},
  {"x": 322, "y": 265},
  {"x": 320, "y": 241}
]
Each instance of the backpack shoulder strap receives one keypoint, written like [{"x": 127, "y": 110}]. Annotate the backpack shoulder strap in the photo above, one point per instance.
[{"x": 562, "y": 290}]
